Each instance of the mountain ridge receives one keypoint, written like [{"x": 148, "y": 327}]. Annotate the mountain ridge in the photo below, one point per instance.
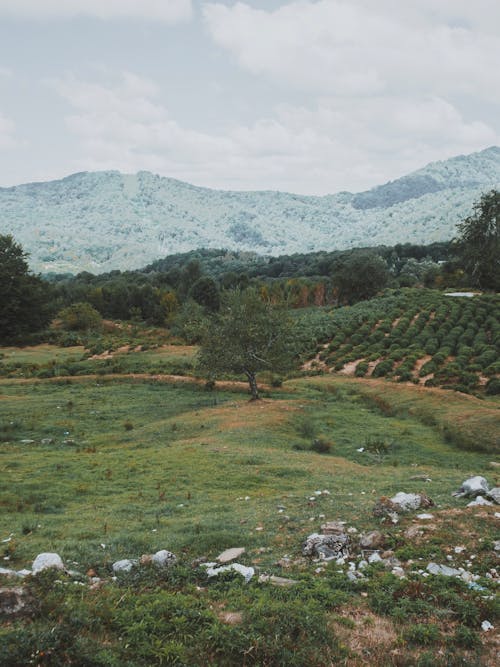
[{"x": 99, "y": 221}]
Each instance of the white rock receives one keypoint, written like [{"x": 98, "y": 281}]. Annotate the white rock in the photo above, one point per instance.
[
  {"x": 407, "y": 501},
  {"x": 6, "y": 572},
  {"x": 494, "y": 494},
  {"x": 230, "y": 554},
  {"x": 163, "y": 558},
  {"x": 374, "y": 558},
  {"x": 487, "y": 626},
  {"x": 213, "y": 570},
  {"x": 45, "y": 561},
  {"x": 472, "y": 487},
  {"x": 398, "y": 572},
  {"x": 124, "y": 565},
  {"x": 479, "y": 500},
  {"x": 23, "y": 573},
  {"x": 425, "y": 517}
]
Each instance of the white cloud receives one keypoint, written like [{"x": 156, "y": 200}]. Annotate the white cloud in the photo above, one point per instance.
[
  {"x": 169, "y": 11},
  {"x": 7, "y": 133},
  {"x": 366, "y": 48},
  {"x": 333, "y": 145}
]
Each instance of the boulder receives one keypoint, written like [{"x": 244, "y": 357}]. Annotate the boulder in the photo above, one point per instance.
[
  {"x": 230, "y": 554},
  {"x": 406, "y": 502},
  {"x": 163, "y": 558},
  {"x": 124, "y": 565},
  {"x": 494, "y": 495},
  {"x": 371, "y": 540},
  {"x": 444, "y": 570},
  {"x": 327, "y": 547},
  {"x": 472, "y": 487},
  {"x": 479, "y": 500},
  {"x": 46, "y": 561}
]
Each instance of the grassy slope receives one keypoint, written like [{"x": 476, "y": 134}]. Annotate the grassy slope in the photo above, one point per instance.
[{"x": 178, "y": 478}]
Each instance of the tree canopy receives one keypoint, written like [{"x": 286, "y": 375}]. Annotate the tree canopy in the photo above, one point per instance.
[
  {"x": 23, "y": 296},
  {"x": 247, "y": 336},
  {"x": 479, "y": 242}
]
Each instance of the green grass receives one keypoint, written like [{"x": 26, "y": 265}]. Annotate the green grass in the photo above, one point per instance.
[{"x": 130, "y": 467}]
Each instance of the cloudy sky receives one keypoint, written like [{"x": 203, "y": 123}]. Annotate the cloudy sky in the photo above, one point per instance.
[{"x": 309, "y": 96}]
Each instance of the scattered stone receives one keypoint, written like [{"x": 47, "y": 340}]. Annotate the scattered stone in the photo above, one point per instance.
[
  {"x": 384, "y": 507},
  {"x": 45, "y": 561},
  {"x": 425, "y": 517},
  {"x": 406, "y": 502},
  {"x": 230, "y": 554},
  {"x": 124, "y": 565},
  {"x": 146, "y": 559},
  {"x": 213, "y": 570},
  {"x": 444, "y": 570},
  {"x": 333, "y": 527},
  {"x": 12, "y": 601},
  {"x": 163, "y": 558},
  {"x": 494, "y": 494},
  {"x": 231, "y": 617},
  {"x": 47, "y": 441},
  {"x": 276, "y": 581},
  {"x": 23, "y": 573},
  {"x": 375, "y": 557},
  {"x": 413, "y": 531},
  {"x": 27, "y": 442},
  {"x": 496, "y": 545},
  {"x": 327, "y": 547},
  {"x": 472, "y": 487},
  {"x": 371, "y": 540},
  {"x": 479, "y": 500},
  {"x": 486, "y": 626},
  {"x": 398, "y": 572},
  {"x": 420, "y": 478},
  {"x": 387, "y": 554}
]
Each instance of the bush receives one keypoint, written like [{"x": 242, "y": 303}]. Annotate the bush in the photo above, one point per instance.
[
  {"x": 80, "y": 317},
  {"x": 422, "y": 634},
  {"x": 382, "y": 368},
  {"x": 321, "y": 446},
  {"x": 493, "y": 387}
]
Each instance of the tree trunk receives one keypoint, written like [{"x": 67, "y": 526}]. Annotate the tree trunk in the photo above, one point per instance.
[{"x": 252, "y": 381}]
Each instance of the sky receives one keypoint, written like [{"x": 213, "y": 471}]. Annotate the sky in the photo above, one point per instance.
[{"x": 305, "y": 96}]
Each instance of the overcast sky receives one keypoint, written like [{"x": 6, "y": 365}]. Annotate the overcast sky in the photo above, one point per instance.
[{"x": 309, "y": 96}]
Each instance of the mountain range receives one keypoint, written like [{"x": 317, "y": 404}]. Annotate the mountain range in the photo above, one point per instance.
[{"x": 99, "y": 221}]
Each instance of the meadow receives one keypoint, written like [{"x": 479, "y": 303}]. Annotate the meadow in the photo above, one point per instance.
[{"x": 127, "y": 457}]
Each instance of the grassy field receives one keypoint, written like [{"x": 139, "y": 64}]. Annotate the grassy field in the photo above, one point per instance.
[{"x": 102, "y": 468}]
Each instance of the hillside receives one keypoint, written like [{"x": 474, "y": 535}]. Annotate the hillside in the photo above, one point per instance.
[{"x": 108, "y": 220}]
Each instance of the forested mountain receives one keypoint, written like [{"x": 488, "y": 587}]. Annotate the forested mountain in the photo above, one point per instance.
[{"x": 107, "y": 220}]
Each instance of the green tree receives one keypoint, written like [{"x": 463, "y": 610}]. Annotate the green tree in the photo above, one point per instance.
[
  {"x": 479, "y": 242},
  {"x": 80, "y": 317},
  {"x": 247, "y": 336},
  {"x": 359, "y": 275},
  {"x": 205, "y": 292},
  {"x": 24, "y": 297}
]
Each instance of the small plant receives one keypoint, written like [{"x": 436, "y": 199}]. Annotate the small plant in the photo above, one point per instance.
[
  {"x": 422, "y": 634},
  {"x": 128, "y": 425},
  {"x": 321, "y": 446}
]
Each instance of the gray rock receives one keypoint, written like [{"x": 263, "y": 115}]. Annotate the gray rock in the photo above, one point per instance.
[
  {"x": 47, "y": 441},
  {"x": 46, "y": 561},
  {"x": 494, "y": 495},
  {"x": 327, "y": 547},
  {"x": 12, "y": 601},
  {"x": 479, "y": 500},
  {"x": 375, "y": 557},
  {"x": 6, "y": 572},
  {"x": 444, "y": 570},
  {"x": 27, "y": 441},
  {"x": 230, "y": 554},
  {"x": 163, "y": 558},
  {"x": 124, "y": 565},
  {"x": 276, "y": 581},
  {"x": 472, "y": 487},
  {"x": 406, "y": 502},
  {"x": 371, "y": 540}
]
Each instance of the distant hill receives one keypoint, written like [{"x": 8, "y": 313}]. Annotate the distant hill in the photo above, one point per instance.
[{"x": 99, "y": 221}]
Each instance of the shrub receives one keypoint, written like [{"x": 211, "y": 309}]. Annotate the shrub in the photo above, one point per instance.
[
  {"x": 321, "y": 446},
  {"x": 382, "y": 368},
  {"x": 422, "y": 634},
  {"x": 493, "y": 387},
  {"x": 80, "y": 317}
]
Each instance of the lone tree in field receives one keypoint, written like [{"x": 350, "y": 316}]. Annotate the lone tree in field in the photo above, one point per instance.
[
  {"x": 247, "y": 336},
  {"x": 479, "y": 242}
]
